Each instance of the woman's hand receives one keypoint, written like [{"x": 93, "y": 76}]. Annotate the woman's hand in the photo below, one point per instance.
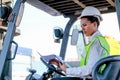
[{"x": 62, "y": 66}]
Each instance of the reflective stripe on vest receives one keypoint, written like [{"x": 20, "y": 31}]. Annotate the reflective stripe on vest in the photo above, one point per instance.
[{"x": 103, "y": 43}]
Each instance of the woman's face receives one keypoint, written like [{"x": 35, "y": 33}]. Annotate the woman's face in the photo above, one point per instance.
[{"x": 88, "y": 28}]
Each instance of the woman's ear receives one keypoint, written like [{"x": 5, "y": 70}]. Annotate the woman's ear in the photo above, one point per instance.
[{"x": 95, "y": 24}]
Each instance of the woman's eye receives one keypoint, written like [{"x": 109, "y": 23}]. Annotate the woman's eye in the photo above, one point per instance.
[{"x": 83, "y": 25}]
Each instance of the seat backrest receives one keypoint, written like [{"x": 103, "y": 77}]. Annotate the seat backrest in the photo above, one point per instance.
[{"x": 111, "y": 71}]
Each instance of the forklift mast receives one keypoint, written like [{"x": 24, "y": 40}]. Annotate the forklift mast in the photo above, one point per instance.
[{"x": 5, "y": 54}]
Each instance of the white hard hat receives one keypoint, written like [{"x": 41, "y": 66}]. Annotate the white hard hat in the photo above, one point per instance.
[{"x": 91, "y": 11}]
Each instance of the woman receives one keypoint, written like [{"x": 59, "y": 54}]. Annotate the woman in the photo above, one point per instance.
[{"x": 97, "y": 46}]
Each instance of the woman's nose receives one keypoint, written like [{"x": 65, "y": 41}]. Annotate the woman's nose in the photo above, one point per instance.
[{"x": 83, "y": 27}]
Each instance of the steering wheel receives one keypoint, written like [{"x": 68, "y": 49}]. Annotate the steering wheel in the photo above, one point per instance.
[
  {"x": 112, "y": 66},
  {"x": 51, "y": 67}
]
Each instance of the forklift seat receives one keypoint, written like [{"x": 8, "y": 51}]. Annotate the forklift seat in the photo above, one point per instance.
[{"x": 111, "y": 71}]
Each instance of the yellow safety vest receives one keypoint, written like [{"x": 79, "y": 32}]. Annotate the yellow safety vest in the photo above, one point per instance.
[{"x": 103, "y": 43}]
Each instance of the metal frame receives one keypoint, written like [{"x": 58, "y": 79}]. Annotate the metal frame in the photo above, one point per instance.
[
  {"x": 66, "y": 36},
  {"x": 117, "y": 6},
  {"x": 5, "y": 70}
]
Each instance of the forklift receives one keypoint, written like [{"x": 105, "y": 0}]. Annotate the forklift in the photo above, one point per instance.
[{"x": 11, "y": 16}]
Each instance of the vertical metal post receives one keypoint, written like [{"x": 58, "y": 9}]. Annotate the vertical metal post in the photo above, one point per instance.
[
  {"x": 66, "y": 36},
  {"x": 5, "y": 53},
  {"x": 117, "y": 6}
]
